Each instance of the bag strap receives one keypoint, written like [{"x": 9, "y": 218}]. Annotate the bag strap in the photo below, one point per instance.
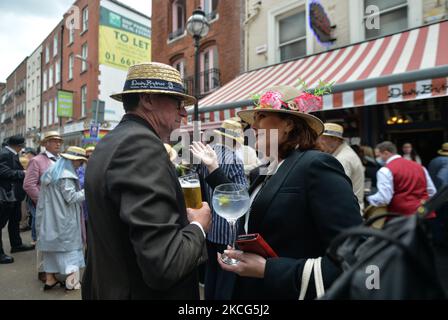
[
  {"x": 318, "y": 279},
  {"x": 306, "y": 276},
  {"x": 312, "y": 266}
]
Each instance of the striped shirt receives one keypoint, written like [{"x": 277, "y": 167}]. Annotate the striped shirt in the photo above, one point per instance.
[{"x": 233, "y": 168}]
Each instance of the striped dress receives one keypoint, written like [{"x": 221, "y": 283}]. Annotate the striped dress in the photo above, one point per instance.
[{"x": 233, "y": 168}]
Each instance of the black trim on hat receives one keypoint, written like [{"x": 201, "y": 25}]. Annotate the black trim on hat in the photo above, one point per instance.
[
  {"x": 153, "y": 84},
  {"x": 335, "y": 133}
]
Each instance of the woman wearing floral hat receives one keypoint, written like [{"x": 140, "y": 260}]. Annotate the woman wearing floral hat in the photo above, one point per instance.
[{"x": 298, "y": 207}]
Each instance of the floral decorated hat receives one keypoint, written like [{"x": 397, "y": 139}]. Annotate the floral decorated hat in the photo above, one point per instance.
[{"x": 289, "y": 100}]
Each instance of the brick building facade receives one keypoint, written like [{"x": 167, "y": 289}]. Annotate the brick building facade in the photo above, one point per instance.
[{"x": 221, "y": 50}]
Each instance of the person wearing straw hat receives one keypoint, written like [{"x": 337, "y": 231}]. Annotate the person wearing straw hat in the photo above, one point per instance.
[
  {"x": 142, "y": 241},
  {"x": 52, "y": 142},
  {"x": 58, "y": 220},
  {"x": 289, "y": 203},
  {"x": 223, "y": 147},
  {"x": 438, "y": 170},
  {"x": 332, "y": 142}
]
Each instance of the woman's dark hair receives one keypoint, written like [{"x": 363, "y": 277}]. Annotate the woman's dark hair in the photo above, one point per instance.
[
  {"x": 301, "y": 135},
  {"x": 130, "y": 101},
  {"x": 413, "y": 152}
]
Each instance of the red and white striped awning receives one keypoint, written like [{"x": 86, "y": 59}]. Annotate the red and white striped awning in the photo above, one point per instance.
[{"x": 417, "y": 49}]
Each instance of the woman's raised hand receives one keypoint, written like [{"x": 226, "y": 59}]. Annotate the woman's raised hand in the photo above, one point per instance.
[{"x": 206, "y": 154}]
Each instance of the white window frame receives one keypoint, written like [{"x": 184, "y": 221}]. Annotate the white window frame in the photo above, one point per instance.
[
  {"x": 45, "y": 114},
  {"x": 44, "y": 87},
  {"x": 47, "y": 53},
  {"x": 180, "y": 62},
  {"x": 357, "y": 14},
  {"x": 71, "y": 33},
  {"x": 57, "y": 72},
  {"x": 85, "y": 19},
  {"x": 71, "y": 66},
  {"x": 50, "y": 112},
  {"x": 84, "y": 55},
  {"x": 55, "y": 45},
  {"x": 213, "y": 65},
  {"x": 83, "y": 101},
  {"x": 56, "y": 118},
  {"x": 50, "y": 77},
  {"x": 174, "y": 7},
  {"x": 210, "y": 11},
  {"x": 289, "y": 8}
]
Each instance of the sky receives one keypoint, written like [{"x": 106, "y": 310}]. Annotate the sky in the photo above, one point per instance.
[{"x": 24, "y": 24}]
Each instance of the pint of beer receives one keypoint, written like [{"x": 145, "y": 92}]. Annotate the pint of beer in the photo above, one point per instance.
[{"x": 191, "y": 189}]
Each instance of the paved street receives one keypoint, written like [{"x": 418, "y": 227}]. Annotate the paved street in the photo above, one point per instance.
[{"x": 18, "y": 281}]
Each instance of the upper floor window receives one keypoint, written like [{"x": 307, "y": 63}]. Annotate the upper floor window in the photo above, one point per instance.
[
  {"x": 71, "y": 32},
  {"x": 210, "y": 8},
  {"x": 55, "y": 45},
  {"x": 83, "y": 101},
  {"x": 209, "y": 69},
  {"x": 56, "y": 118},
  {"x": 85, "y": 19},
  {"x": 392, "y": 15},
  {"x": 71, "y": 63},
  {"x": 57, "y": 71},
  {"x": 50, "y": 77},
  {"x": 47, "y": 54},
  {"x": 178, "y": 18},
  {"x": 84, "y": 53},
  {"x": 179, "y": 64},
  {"x": 44, "y": 85},
  {"x": 292, "y": 36}
]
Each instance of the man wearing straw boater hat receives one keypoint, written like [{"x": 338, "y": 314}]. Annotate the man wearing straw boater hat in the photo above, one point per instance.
[
  {"x": 332, "y": 142},
  {"x": 142, "y": 241},
  {"x": 52, "y": 142}
]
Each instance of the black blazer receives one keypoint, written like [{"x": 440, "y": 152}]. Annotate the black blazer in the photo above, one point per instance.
[
  {"x": 11, "y": 173},
  {"x": 298, "y": 212},
  {"x": 140, "y": 243}
]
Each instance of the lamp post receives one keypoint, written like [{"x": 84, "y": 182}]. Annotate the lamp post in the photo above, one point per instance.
[{"x": 197, "y": 27}]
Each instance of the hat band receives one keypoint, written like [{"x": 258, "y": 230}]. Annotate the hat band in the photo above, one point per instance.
[
  {"x": 75, "y": 154},
  {"x": 153, "y": 84},
  {"x": 332, "y": 132},
  {"x": 229, "y": 132}
]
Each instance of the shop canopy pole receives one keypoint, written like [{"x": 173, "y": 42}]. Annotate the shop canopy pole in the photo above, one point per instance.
[{"x": 429, "y": 73}]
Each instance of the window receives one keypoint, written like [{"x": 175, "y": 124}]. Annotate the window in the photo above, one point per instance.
[
  {"x": 55, "y": 45},
  {"x": 45, "y": 115},
  {"x": 178, "y": 16},
  {"x": 45, "y": 81},
  {"x": 83, "y": 101},
  {"x": 292, "y": 36},
  {"x": 210, "y": 8},
  {"x": 84, "y": 52},
  {"x": 50, "y": 77},
  {"x": 393, "y": 16},
  {"x": 57, "y": 72},
  {"x": 180, "y": 66},
  {"x": 56, "y": 118},
  {"x": 50, "y": 113},
  {"x": 71, "y": 32},
  {"x": 209, "y": 69},
  {"x": 85, "y": 19},
  {"x": 47, "y": 54},
  {"x": 71, "y": 62}
]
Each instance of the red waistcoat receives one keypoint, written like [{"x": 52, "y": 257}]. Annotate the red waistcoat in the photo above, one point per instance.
[{"x": 410, "y": 187}]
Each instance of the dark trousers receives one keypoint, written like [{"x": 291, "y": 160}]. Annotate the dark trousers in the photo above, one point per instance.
[
  {"x": 218, "y": 283},
  {"x": 11, "y": 215}
]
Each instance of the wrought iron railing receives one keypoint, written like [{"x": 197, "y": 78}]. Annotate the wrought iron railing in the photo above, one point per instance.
[
  {"x": 176, "y": 34},
  {"x": 209, "y": 81}
]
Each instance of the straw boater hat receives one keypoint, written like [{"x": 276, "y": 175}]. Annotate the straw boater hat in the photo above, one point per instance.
[
  {"x": 154, "y": 77},
  {"x": 74, "y": 153},
  {"x": 51, "y": 135},
  {"x": 333, "y": 130},
  {"x": 231, "y": 128},
  {"x": 171, "y": 152},
  {"x": 90, "y": 149},
  {"x": 444, "y": 150},
  {"x": 289, "y": 100}
]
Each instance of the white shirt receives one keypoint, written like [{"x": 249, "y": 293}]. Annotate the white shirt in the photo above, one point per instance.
[
  {"x": 50, "y": 155},
  {"x": 199, "y": 225},
  {"x": 272, "y": 169},
  {"x": 11, "y": 149},
  {"x": 385, "y": 185}
]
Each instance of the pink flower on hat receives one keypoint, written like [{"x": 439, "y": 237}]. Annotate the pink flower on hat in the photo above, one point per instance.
[
  {"x": 271, "y": 99},
  {"x": 308, "y": 102}
]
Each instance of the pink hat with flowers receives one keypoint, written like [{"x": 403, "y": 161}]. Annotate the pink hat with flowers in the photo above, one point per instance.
[{"x": 289, "y": 100}]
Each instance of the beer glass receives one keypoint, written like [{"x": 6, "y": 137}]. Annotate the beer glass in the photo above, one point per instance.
[
  {"x": 231, "y": 201},
  {"x": 191, "y": 189}
]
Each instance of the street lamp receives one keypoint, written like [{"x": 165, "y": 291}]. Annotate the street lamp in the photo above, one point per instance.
[{"x": 197, "y": 27}]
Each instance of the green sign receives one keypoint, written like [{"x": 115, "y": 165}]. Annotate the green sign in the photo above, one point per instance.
[{"x": 65, "y": 104}]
